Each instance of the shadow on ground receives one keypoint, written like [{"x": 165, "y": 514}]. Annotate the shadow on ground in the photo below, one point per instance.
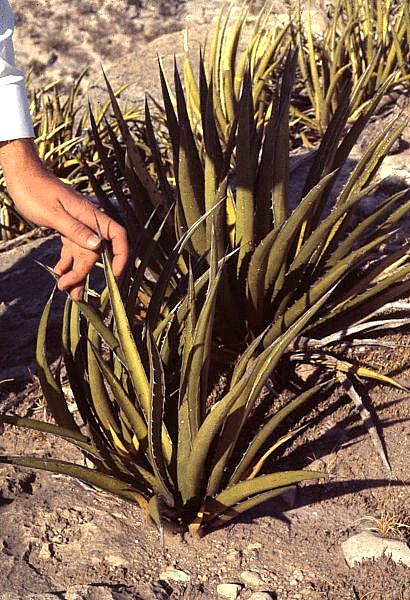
[{"x": 24, "y": 289}]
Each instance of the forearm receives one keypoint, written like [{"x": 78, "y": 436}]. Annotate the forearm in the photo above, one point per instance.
[
  {"x": 37, "y": 193},
  {"x": 32, "y": 187}
]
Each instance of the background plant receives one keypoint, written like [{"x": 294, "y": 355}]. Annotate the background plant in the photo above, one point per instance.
[
  {"x": 365, "y": 44},
  {"x": 235, "y": 48}
]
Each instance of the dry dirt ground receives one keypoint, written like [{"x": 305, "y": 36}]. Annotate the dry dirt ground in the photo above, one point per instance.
[{"x": 59, "y": 539}]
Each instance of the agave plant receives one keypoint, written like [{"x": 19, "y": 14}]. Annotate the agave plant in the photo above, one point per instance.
[
  {"x": 151, "y": 429},
  {"x": 289, "y": 250},
  {"x": 145, "y": 416},
  {"x": 268, "y": 276},
  {"x": 366, "y": 43}
]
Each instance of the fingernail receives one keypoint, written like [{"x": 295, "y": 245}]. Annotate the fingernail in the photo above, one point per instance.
[{"x": 93, "y": 241}]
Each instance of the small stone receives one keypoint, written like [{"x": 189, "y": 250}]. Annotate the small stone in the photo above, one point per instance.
[
  {"x": 30, "y": 597},
  {"x": 307, "y": 592},
  {"x": 81, "y": 592},
  {"x": 305, "y": 371},
  {"x": 74, "y": 593},
  {"x": 251, "y": 578},
  {"x": 293, "y": 581},
  {"x": 260, "y": 596},
  {"x": 230, "y": 591},
  {"x": 254, "y": 546},
  {"x": 367, "y": 545},
  {"x": 233, "y": 555},
  {"x": 298, "y": 575},
  {"x": 100, "y": 593},
  {"x": 175, "y": 575},
  {"x": 44, "y": 553},
  {"x": 116, "y": 560}
]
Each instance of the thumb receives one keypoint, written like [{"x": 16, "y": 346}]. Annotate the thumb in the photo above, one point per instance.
[{"x": 76, "y": 231}]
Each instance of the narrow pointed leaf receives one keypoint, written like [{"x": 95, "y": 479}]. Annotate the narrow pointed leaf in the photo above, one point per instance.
[
  {"x": 240, "y": 491},
  {"x": 156, "y": 426},
  {"x": 268, "y": 429},
  {"x": 52, "y": 391}
]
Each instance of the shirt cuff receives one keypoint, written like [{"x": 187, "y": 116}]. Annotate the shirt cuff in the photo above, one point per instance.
[{"x": 15, "y": 119}]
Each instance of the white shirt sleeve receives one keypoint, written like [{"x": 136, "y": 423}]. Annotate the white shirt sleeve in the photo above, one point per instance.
[{"x": 15, "y": 119}]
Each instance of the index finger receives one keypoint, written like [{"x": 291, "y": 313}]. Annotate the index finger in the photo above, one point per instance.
[
  {"x": 117, "y": 235},
  {"x": 92, "y": 217}
]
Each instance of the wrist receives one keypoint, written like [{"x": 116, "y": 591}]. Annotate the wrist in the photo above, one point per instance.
[{"x": 21, "y": 163}]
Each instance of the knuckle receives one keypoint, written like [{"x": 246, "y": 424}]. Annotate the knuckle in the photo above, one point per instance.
[
  {"x": 84, "y": 207},
  {"x": 76, "y": 230},
  {"x": 61, "y": 284}
]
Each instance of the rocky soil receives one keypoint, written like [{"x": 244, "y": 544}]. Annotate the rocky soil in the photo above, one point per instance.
[{"x": 114, "y": 34}]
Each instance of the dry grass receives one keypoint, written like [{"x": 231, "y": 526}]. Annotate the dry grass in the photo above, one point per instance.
[{"x": 391, "y": 520}]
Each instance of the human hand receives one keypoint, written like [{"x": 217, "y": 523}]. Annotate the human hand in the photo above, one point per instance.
[{"x": 46, "y": 201}]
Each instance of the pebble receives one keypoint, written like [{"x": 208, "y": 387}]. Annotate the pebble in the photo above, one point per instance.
[
  {"x": 233, "y": 555},
  {"x": 45, "y": 552},
  {"x": 29, "y": 597},
  {"x": 298, "y": 575},
  {"x": 254, "y": 546},
  {"x": 175, "y": 575},
  {"x": 368, "y": 545},
  {"x": 101, "y": 592},
  {"x": 230, "y": 591},
  {"x": 81, "y": 592},
  {"x": 260, "y": 596},
  {"x": 251, "y": 578},
  {"x": 395, "y": 168}
]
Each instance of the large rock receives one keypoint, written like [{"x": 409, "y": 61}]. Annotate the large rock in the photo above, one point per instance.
[
  {"x": 230, "y": 591},
  {"x": 175, "y": 575},
  {"x": 367, "y": 545},
  {"x": 252, "y": 578}
]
